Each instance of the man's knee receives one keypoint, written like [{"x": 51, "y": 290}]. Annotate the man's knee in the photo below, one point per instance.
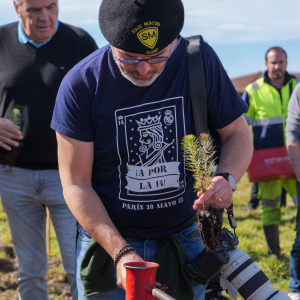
[{"x": 270, "y": 215}]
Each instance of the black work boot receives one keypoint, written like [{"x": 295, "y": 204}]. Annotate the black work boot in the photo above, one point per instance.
[{"x": 272, "y": 238}]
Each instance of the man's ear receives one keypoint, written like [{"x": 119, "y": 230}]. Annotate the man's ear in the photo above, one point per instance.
[{"x": 17, "y": 7}]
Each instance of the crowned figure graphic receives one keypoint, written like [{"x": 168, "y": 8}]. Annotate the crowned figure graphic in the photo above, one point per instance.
[{"x": 152, "y": 141}]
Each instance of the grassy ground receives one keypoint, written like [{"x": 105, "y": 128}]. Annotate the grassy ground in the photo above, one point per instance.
[{"x": 249, "y": 231}]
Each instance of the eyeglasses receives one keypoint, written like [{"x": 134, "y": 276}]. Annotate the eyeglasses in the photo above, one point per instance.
[{"x": 135, "y": 61}]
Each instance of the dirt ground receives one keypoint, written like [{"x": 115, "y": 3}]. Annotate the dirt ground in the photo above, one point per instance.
[{"x": 58, "y": 286}]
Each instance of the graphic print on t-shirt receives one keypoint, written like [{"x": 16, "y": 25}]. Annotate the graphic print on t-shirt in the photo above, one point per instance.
[{"x": 148, "y": 141}]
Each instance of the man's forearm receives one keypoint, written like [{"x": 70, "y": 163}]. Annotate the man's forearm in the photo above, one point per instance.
[
  {"x": 90, "y": 212},
  {"x": 236, "y": 154},
  {"x": 293, "y": 149}
]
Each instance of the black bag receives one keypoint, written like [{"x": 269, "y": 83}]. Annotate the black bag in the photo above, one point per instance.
[{"x": 196, "y": 76}]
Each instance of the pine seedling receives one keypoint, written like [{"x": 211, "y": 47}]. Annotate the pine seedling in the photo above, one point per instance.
[
  {"x": 11, "y": 156},
  {"x": 16, "y": 117},
  {"x": 198, "y": 154}
]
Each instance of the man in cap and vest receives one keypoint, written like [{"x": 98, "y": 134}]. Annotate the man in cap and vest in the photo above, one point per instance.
[
  {"x": 268, "y": 99},
  {"x": 35, "y": 55},
  {"x": 120, "y": 117}
]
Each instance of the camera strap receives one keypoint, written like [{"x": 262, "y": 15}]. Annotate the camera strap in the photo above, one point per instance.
[
  {"x": 231, "y": 217},
  {"x": 195, "y": 68}
]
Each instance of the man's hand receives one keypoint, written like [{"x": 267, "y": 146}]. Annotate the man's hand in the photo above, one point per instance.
[
  {"x": 9, "y": 132},
  {"x": 293, "y": 149},
  {"x": 236, "y": 155},
  {"x": 219, "y": 189},
  {"x": 130, "y": 256}
]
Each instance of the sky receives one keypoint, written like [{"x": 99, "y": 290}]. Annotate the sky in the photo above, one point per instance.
[{"x": 240, "y": 31}]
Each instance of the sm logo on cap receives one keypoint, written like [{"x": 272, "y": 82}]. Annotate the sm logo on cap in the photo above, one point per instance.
[{"x": 148, "y": 36}]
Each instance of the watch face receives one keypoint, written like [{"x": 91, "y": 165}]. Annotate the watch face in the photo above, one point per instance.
[{"x": 232, "y": 181}]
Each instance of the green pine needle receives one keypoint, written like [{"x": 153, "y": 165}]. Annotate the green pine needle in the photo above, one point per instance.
[
  {"x": 16, "y": 117},
  {"x": 198, "y": 154}
]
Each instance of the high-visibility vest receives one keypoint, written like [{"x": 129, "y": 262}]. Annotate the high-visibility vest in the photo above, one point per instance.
[{"x": 267, "y": 112}]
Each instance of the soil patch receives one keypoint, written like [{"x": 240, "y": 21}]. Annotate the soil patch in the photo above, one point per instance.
[{"x": 58, "y": 285}]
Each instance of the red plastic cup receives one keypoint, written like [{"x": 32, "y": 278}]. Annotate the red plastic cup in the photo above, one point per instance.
[{"x": 140, "y": 277}]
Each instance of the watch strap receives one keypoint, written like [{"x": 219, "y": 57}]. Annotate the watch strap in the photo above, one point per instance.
[{"x": 226, "y": 176}]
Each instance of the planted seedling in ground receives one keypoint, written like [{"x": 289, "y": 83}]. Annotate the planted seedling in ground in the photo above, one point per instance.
[{"x": 198, "y": 154}]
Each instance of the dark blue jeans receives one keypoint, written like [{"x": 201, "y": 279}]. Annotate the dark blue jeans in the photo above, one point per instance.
[{"x": 294, "y": 285}]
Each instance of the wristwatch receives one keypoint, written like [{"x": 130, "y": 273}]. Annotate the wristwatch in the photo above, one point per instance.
[{"x": 229, "y": 178}]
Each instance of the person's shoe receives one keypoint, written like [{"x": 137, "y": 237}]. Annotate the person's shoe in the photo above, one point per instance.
[
  {"x": 250, "y": 207},
  {"x": 276, "y": 257},
  {"x": 294, "y": 296}
]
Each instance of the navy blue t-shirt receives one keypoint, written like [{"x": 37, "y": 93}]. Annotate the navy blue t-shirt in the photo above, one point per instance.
[{"x": 138, "y": 171}]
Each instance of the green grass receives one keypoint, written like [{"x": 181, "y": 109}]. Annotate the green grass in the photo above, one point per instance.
[
  {"x": 249, "y": 231},
  {"x": 4, "y": 229}
]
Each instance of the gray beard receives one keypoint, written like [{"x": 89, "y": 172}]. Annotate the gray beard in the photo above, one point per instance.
[{"x": 139, "y": 82}]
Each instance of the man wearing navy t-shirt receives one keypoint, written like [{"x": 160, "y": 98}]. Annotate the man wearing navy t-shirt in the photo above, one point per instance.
[{"x": 120, "y": 116}]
